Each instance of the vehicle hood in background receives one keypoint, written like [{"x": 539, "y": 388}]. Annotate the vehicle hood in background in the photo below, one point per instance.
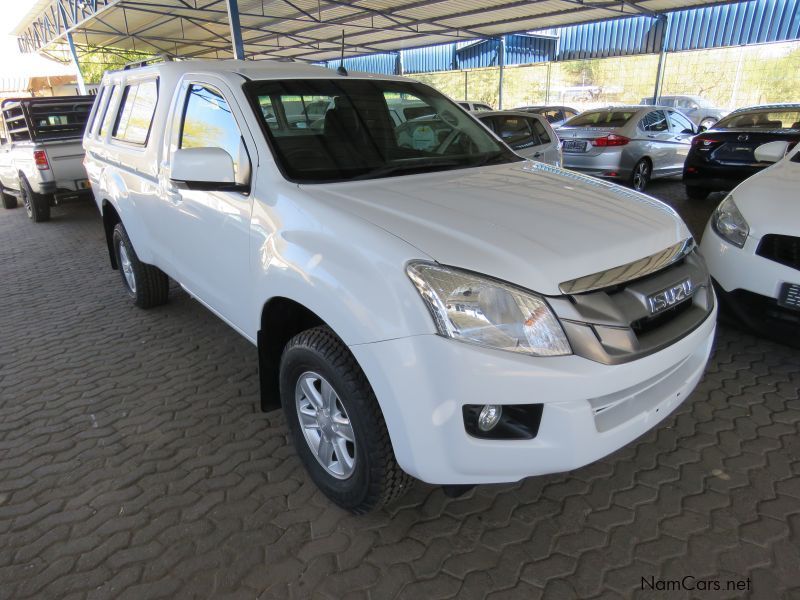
[
  {"x": 526, "y": 223},
  {"x": 769, "y": 201}
]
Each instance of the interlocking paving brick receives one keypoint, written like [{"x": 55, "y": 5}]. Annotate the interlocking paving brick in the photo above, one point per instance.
[{"x": 134, "y": 462}]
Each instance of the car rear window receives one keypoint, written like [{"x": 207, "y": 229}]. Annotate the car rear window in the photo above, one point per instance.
[
  {"x": 762, "y": 119},
  {"x": 136, "y": 112},
  {"x": 602, "y": 118}
]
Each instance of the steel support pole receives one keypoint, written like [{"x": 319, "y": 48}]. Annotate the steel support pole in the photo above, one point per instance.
[
  {"x": 236, "y": 29},
  {"x": 501, "y": 59},
  {"x": 74, "y": 53},
  {"x": 547, "y": 85},
  {"x": 662, "y": 60}
]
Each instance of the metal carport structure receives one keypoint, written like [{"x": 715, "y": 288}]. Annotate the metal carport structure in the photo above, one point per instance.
[{"x": 308, "y": 30}]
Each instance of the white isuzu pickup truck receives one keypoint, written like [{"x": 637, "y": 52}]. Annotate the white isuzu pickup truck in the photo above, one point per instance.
[
  {"x": 426, "y": 305},
  {"x": 41, "y": 153}
]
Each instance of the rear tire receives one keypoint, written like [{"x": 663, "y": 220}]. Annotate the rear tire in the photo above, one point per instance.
[
  {"x": 641, "y": 174},
  {"x": 147, "y": 285},
  {"x": 36, "y": 205},
  {"x": 343, "y": 441},
  {"x": 9, "y": 201},
  {"x": 697, "y": 193}
]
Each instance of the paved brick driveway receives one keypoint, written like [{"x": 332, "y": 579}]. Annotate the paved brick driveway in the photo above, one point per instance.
[{"x": 134, "y": 464}]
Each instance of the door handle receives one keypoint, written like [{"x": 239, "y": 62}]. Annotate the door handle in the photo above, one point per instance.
[
  {"x": 651, "y": 136},
  {"x": 537, "y": 155}
]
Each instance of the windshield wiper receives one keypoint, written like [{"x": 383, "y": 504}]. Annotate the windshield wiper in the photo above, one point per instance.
[
  {"x": 491, "y": 159},
  {"x": 408, "y": 169}
]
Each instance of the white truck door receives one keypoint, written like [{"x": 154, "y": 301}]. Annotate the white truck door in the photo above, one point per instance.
[{"x": 210, "y": 230}]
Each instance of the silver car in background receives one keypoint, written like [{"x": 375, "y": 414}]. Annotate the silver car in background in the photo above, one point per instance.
[
  {"x": 632, "y": 144},
  {"x": 700, "y": 111},
  {"x": 555, "y": 115},
  {"x": 527, "y": 134}
]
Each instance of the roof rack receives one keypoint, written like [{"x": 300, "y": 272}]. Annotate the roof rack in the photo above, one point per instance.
[
  {"x": 31, "y": 119},
  {"x": 149, "y": 61}
]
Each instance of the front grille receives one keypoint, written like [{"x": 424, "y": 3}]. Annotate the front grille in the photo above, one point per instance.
[
  {"x": 783, "y": 249},
  {"x": 648, "y": 324},
  {"x": 615, "y": 324}
]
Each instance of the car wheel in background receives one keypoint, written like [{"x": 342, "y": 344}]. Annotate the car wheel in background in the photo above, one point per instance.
[
  {"x": 336, "y": 424},
  {"x": 36, "y": 205},
  {"x": 9, "y": 201},
  {"x": 708, "y": 123},
  {"x": 147, "y": 285},
  {"x": 697, "y": 193},
  {"x": 640, "y": 176}
]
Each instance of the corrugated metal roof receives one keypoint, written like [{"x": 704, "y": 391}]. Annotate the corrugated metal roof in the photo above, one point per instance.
[
  {"x": 309, "y": 29},
  {"x": 752, "y": 22}
]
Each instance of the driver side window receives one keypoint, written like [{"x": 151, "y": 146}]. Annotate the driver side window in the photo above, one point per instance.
[{"x": 209, "y": 123}]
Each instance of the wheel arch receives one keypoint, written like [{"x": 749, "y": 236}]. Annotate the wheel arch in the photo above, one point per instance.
[
  {"x": 110, "y": 219},
  {"x": 281, "y": 319}
]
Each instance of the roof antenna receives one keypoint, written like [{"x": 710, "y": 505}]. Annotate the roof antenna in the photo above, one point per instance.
[{"x": 341, "y": 70}]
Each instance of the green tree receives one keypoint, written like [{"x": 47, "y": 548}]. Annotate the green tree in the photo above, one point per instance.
[{"x": 96, "y": 62}]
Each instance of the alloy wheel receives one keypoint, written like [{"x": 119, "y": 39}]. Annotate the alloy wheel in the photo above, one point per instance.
[
  {"x": 325, "y": 425},
  {"x": 127, "y": 268},
  {"x": 26, "y": 201},
  {"x": 641, "y": 175}
]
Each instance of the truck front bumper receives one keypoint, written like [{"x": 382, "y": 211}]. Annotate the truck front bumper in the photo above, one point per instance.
[{"x": 589, "y": 409}]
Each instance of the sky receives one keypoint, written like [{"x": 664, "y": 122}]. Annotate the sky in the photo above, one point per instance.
[{"x": 12, "y": 62}]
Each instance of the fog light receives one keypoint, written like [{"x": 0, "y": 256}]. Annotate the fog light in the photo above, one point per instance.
[{"x": 489, "y": 417}]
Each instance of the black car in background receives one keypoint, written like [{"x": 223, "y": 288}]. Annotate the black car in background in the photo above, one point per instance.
[{"x": 722, "y": 157}]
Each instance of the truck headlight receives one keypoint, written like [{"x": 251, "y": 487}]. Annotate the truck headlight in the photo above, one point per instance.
[
  {"x": 729, "y": 223},
  {"x": 480, "y": 310}
]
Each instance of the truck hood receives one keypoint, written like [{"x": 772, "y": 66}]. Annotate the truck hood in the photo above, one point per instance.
[{"x": 526, "y": 223}]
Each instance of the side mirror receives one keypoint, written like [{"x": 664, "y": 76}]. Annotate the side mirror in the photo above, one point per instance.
[
  {"x": 771, "y": 152},
  {"x": 203, "y": 169}
]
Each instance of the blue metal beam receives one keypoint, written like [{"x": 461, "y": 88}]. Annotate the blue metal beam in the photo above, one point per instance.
[
  {"x": 72, "y": 50},
  {"x": 236, "y": 29}
]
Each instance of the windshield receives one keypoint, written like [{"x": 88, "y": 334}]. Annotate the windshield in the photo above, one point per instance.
[
  {"x": 368, "y": 129},
  {"x": 762, "y": 119},
  {"x": 603, "y": 118}
]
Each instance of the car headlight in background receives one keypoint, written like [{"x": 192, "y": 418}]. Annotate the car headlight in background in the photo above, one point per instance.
[
  {"x": 480, "y": 310},
  {"x": 729, "y": 223}
]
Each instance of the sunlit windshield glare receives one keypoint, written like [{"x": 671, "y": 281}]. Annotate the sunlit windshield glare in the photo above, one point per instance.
[
  {"x": 345, "y": 129},
  {"x": 604, "y": 118},
  {"x": 762, "y": 119}
]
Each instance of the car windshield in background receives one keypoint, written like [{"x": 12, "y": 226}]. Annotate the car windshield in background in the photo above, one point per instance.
[
  {"x": 762, "y": 119},
  {"x": 358, "y": 135},
  {"x": 603, "y": 118}
]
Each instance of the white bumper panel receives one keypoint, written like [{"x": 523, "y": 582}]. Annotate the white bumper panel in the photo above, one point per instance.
[
  {"x": 742, "y": 269},
  {"x": 590, "y": 409}
]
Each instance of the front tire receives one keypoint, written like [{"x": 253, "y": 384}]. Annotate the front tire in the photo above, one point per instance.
[
  {"x": 697, "y": 193},
  {"x": 640, "y": 176},
  {"x": 336, "y": 423},
  {"x": 36, "y": 206},
  {"x": 147, "y": 285}
]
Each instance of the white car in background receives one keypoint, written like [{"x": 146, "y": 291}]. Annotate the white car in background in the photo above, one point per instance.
[
  {"x": 527, "y": 134},
  {"x": 752, "y": 246}
]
